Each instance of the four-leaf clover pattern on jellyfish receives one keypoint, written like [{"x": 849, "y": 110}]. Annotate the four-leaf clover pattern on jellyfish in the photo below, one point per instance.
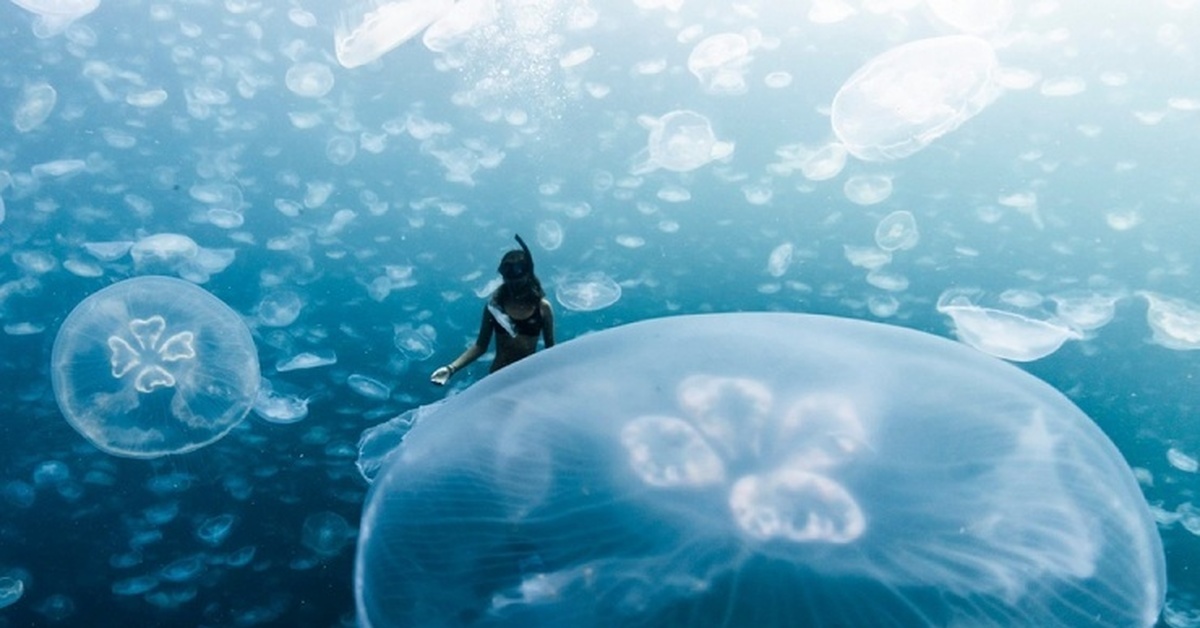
[
  {"x": 774, "y": 468},
  {"x": 152, "y": 366},
  {"x": 756, "y": 469}
]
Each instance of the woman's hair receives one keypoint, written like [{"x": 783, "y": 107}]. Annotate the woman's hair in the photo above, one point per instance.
[{"x": 526, "y": 290}]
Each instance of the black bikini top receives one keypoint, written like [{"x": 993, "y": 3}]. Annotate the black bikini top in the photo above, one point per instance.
[{"x": 528, "y": 326}]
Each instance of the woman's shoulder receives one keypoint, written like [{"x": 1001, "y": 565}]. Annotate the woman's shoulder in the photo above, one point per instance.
[{"x": 545, "y": 307}]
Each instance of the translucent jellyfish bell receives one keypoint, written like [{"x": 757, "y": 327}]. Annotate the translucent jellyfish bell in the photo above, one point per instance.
[
  {"x": 757, "y": 470},
  {"x": 719, "y": 62},
  {"x": 368, "y": 29},
  {"x": 680, "y": 141},
  {"x": 1002, "y": 333},
  {"x": 909, "y": 96},
  {"x": 153, "y": 366},
  {"x": 54, "y": 16}
]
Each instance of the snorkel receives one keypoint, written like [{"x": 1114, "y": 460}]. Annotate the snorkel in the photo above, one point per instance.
[
  {"x": 528, "y": 255},
  {"x": 512, "y": 269}
]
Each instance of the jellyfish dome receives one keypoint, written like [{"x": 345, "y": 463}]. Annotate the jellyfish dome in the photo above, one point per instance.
[
  {"x": 907, "y": 97},
  {"x": 153, "y": 366},
  {"x": 757, "y": 470}
]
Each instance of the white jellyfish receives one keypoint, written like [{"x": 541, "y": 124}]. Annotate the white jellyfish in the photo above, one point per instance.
[{"x": 680, "y": 141}]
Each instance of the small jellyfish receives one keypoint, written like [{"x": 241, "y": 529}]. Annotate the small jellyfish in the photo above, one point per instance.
[
  {"x": 758, "y": 469},
  {"x": 368, "y": 29},
  {"x": 549, "y": 235},
  {"x": 276, "y": 406},
  {"x": 868, "y": 189},
  {"x": 307, "y": 360},
  {"x": 369, "y": 387},
  {"x": 780, "y": 259},
  {"x": 416, "y": 343},
  {"x": 679, "y": 141},
  {"x": 36, "y": 104},
  {"x": 214, "y": 530},
  {"x": 909, "y": 96},
  {"x": 587, "y": 293},
  {"x": 340, "y": 150},
  {"x": 326, "y": 533},
  {"x": 897, "y": 231},
  {"x": 279, "y": 309},
  {"x": 719, "y": 62},
  {"x": 1086, "y": 311},
  {"x": 1175, "y": 323},
  {"x": 183, "y": 569},
  {"x": 11, "y": 590},
  {"x": 1001, "y": 333},
  {"x": 152, "y": 366},
  {"x": 309, "y": 79}
]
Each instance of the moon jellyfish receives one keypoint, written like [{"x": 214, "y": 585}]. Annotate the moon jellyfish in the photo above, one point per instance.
[
  {"x": 11, "y": 590},
  {"x": 152, "y": 366},
  {"x": 326, "y": 533},
  {"x": 37, "y": 101},
  {"x": 868, "y": 189},
  {"x": 758, "y": 469},
  {"x": 54, "y": 16},
  {"x": 369, "y": 387},
  {"x": 587, "y": 293},
  {"x": 1086, "y": 311},
  {"x": 909, "y": 96},
  {"x": 1175, "y": 323},
  {"x": 279, "y": 309},
  {"x": 780, "y": 259},
  {"x": 309, "y": 79},
  {"x": 1004, "y": 334},
  {"x": 416, "y": 343},
  {"x": 368, "y": 29},
  {"x": 897, "y": 231},
  {"x": 680, "y": 141},
  {"x": 719, "y": 62}
]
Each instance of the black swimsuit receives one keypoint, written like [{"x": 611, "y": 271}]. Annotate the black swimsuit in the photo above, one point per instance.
[{"x": 528, "y": 326}]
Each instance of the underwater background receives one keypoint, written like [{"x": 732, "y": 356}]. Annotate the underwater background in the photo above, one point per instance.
[{"x": 355, "y": 208}]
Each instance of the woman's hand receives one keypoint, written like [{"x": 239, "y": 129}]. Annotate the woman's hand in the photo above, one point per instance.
[{"x": 441, "y": 376}]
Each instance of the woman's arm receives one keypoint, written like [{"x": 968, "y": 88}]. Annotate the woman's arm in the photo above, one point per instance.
[
  {"x": 472, "y": 353},
  {"x": 547, "y": 323}
]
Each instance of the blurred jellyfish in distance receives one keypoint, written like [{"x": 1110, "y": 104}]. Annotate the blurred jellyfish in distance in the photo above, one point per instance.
[
  {"x": 907, "y": 97},
  {"x": 152, "y": 366},
  {"x": 757, "y": 470},
  {"x": 679, "y": 141}
]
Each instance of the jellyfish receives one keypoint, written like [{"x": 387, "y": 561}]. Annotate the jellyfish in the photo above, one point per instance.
[
  {"x": 909, "y": 96},
  {"x": 1002, "y": 333},
  {"x": 719, "y": 62},
  {"x": 309, "y": 79},
  {"x": 368, "y": 29},
  {"x": 587, "y": 292},
  {"x": 54, "y": 16},
  {"x": 37, "y": 101},
  {"x": 152, "y": 366},
  {"x": 897, "y": 231},
  {"x": 757, "y": 469},
  {"x": 680, "y": 141}
]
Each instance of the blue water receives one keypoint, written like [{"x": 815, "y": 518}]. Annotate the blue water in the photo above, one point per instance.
[{"x": 1111, "y": 165}]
